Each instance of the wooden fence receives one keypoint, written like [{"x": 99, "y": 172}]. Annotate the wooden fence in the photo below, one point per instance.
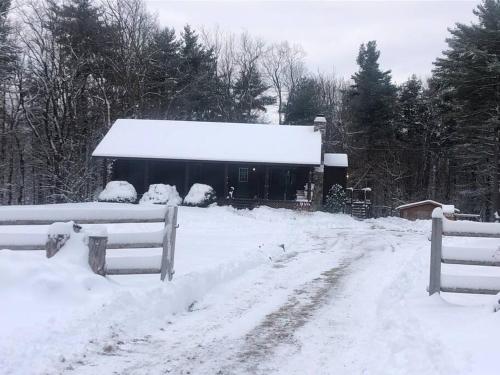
[
  {"x": 484, "y": 257},
  {"x": 98, "y": 244}
]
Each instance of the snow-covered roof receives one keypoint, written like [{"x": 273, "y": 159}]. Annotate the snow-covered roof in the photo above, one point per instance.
[
  {"x": 428, "y": 201},
  {"x": 211, "y": 141},
  {"x": 336, "y": 160},
  {"x": 321, "y": 119}
]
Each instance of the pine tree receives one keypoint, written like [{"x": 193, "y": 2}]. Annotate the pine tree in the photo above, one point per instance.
[
  {"x": 372, "y": 100},
  {"x": 304, "y": 102},
  {"x": 196, "y": 85},
  {"x": 335, "y": 199},
  {"x": 162, "y": 74},
  {"x": 250, "y": 95},
  {"x": 470, "y": 73}
]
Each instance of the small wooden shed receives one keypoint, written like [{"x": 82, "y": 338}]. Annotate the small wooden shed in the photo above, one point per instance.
[{"x": 423, "y": 210}]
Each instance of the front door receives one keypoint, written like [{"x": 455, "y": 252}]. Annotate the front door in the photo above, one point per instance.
[{"x": 249, "y": 182}]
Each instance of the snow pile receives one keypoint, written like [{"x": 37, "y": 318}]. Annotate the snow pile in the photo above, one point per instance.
[
  {"x": 118, "y": 192},
  {"x": 161, "y": 194},
  {"x": 200, "y": 195},
  {"x": 42, "y": 299}
]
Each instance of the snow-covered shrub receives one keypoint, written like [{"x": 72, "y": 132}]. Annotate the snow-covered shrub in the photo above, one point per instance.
[
  {"x": 118, "y": 192},
  {"x": 200, "y": 195},
  {"x": 335, "y": 199},
  {"x": 161, "y": 194}
]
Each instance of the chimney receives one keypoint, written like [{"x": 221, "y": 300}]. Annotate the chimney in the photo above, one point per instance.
[{"x": 320, "y": 125}]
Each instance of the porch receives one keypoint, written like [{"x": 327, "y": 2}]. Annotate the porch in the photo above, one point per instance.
[{"x": 238, "y": 184}]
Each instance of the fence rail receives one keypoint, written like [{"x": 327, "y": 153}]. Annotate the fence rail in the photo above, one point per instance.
[
  {"x": 98, "y": 245},
  {"x": 462, "y": 256}
]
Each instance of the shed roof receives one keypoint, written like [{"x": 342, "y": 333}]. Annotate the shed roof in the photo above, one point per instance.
[
  {"x": 211, "y": 141},
  {"x": 336, "y": 160},
  {"x": 421, "y": 203}
]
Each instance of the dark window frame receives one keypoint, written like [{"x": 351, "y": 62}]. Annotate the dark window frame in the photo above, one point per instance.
[{"x": 243, "y": 174}]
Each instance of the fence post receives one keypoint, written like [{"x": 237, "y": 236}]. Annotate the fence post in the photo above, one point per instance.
[
  {"x": 54, "y": 243},
  {"x": 97, "y": 254},
  {"x": 167, "y": 259},
  {"x": 436, "y": 249}
]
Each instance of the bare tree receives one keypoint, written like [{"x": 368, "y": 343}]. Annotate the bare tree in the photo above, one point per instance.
[{"x": 284, "y": 66}]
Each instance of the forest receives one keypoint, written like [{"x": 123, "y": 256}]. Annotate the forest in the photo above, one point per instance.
[{"x": 69, "y": 69}]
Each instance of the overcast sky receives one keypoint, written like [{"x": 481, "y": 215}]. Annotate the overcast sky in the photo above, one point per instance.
[{"x": 410, "y": 35}]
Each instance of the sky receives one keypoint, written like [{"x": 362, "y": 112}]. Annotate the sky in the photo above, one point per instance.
[{"x": 409, "y": 34}]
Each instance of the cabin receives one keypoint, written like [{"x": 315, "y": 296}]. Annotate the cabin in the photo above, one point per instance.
[
  {"x": 423, "y": 210},
  {"x": 246, "y": 164}
]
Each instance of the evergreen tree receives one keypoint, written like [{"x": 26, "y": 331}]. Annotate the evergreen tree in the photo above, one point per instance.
[
  {"x": 250, "y": 95},
  {"x": 470, "y": 72},
  {"x": 372, "y": 100},
  {"x": 304, "y": 102},
  {"x": 162, "y": 74},
  {"x": 335, "y": 199},
  {"x": 196, "y": 89}
]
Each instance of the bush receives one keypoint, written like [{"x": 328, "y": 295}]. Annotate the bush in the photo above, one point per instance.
[
  {"x": 200, "y": 195},
  {"x": 335, "y": 199},
  {"x": 118, "y": 192},
  {"x": 161, "y": 194}
]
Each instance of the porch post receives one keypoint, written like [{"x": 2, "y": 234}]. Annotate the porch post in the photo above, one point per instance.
[
  {"x": 309, "y": 186},
  {"x": 146, "y": 175},
  {"x": 104, "y": 172},
  {"x": 226, "y": 180},
  {"x": 266, "y": 184},
  {"x": 186, "y": 179}
]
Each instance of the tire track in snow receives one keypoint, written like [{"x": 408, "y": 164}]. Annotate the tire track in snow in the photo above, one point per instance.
[
  {"x": 211, "y": 352},
  {"x": 280, "y": 326}
]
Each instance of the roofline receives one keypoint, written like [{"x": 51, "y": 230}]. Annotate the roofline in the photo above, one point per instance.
[
  {"x": 208, "y": 161},
  {"x": 311, "y": 126},
  {"x": 414, "y": 204}
]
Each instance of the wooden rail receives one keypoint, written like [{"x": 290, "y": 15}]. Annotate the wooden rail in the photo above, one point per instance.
[
  {"x": 98, "y": 245},
  {"x": 439, "y": 230}
]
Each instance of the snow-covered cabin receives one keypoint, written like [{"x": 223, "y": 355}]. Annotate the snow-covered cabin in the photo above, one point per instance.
[{"x": 240, "y": 161}]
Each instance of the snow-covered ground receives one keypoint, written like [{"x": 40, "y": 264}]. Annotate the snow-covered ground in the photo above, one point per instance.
[{"x": 255, "y": 292}]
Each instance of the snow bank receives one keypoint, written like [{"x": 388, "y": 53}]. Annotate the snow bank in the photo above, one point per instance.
[
  {"x": 200, "y": 195},
  {"x": 161, "y": 194},
  {"x": 43, "y": 298},
  {"x": 119, "y": 192}
]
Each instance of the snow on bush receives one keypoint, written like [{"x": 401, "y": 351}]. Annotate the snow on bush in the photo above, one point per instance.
[
  {"x": 161, "y": 194},
  {"x": 200, "y": 195},
  {"x": 335, "y": 199},
  {"x": 118, "y": 192}
]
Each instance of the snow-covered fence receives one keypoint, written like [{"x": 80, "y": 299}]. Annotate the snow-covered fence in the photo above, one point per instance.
[
  {"x": 485, "y": 282},
  {"x": 98, "y": 244}
]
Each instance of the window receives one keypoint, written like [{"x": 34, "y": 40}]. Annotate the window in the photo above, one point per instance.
[{"x": 243, "y": 175}]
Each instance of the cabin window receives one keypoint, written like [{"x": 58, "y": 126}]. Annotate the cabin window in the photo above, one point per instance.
[{"x": 243, "y": 175}]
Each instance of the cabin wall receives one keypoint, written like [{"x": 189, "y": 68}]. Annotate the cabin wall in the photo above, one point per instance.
[{"x": 283, "y": 181}]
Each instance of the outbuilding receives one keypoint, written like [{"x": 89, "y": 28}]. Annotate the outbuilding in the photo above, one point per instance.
[{"x": 423, "y": 210}]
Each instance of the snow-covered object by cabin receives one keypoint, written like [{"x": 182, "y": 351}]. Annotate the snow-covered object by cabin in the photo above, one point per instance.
[
  {"x": 118, "y": 192},
  {"x": 200, "y": 195},
  {"x": 161, "y": 194}
]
